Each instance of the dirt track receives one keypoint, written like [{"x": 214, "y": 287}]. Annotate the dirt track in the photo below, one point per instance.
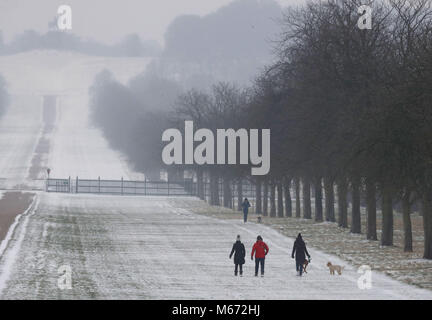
[
  {"x": 38, "y": 164},
  {"x": 11, "y": 205}
]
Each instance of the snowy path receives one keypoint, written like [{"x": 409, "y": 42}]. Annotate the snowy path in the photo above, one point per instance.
[
  {"x": 145, "y": 248},
  {"x": 73, "y": 147},
  {"x": 19, "y": 132}
]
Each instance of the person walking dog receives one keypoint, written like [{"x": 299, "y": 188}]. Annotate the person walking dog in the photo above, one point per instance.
[
  {"x": 239, "y": 252},
  {"x": 260, "y": 249},
  {"x": 300, "y": 251}
]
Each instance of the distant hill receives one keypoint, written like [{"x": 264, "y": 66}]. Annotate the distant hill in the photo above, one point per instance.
[{"x": 130, "y": 46}]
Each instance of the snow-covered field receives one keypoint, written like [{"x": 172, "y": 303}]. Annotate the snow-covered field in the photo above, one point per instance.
[
  {"x": 146, "y": 248},
  {"x": 127, "y": 247},
  {"x": 19, "y": 131},
  {"x": 75, "y": 148}
]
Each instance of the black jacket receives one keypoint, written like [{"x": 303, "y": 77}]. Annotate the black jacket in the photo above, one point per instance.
[
  {"x": 300, "y": 251},
  {"x": 239, "y": 252},
  {"x": 245, "y": 205}
]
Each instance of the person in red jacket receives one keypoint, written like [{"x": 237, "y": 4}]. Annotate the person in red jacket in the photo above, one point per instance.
[{"x": 260, "y": 249}]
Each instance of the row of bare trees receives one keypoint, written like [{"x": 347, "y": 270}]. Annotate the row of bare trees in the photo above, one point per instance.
[
  {"x": 349, "y": 111},
  {"x": 4, "y": 96},
  {"x": 225, "y": 106},
  {"x": 350, "y": 116}
]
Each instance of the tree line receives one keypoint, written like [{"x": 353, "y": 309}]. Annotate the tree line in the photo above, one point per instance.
[
  {"x": 130, "y": 46},
  {"x": 4, "y": 96},
  {"x": 350, "y": 118}
]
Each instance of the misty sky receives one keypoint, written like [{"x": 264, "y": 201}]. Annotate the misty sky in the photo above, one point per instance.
[{"x": 105, "y": 20}]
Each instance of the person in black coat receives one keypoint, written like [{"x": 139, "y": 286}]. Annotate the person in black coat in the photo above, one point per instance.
[
  {"x": 300, "y": 251},
  {"x": 239, "y": 252},
  {"x": 245, "y": 205}
]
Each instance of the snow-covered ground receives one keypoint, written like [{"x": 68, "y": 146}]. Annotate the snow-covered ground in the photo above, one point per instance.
[
  {"x": 126, "y": 247},
  {"x": 146, "y": 248},
  {"x": 19, "y": 131},
  {"x": 75, "y": 148}
]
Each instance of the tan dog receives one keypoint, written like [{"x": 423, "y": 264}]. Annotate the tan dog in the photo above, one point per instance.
[{"x": 332, "y": 268}]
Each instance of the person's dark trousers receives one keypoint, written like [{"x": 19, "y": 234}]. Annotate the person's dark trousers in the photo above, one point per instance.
[
  {"x": 245, "y": 214},
  {"x": 299, "y": 267},
  {"x": 236, "y": 269},
  {"x": 258, "y": 262}
]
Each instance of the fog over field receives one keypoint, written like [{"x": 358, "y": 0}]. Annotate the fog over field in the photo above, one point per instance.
[{"x": 106, "y": 21}]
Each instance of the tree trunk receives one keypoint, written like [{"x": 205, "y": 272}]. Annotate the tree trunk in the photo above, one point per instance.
[
  {"x": 272, "y": 199},
  {"x": 280, "y": 204},
  {"x": 387, "y": 217},
  {"x": 214, "y": 183},
  {"x": 227, "y": 193},
  {"x": 297, "y": 195},
  {"x": 406, "y": 213},
  {"x": 212, "y": 188},
  {"x": 342, "y": 190},
  {"x": 329, "y": 200},
  {"x": 427, "y": 225},
  {"x": 307, "y": 214},
  {"x": 206, "y": 186},
  {"x": 318, "y": 200},
  {"x": 239, "y": 195},
  {"x": 288, "y": 204},
  {"x": 258, "y": 199},
  {"x": 265, "y": 198},
  {"x": 355, "y": 212},
  {"x": 200, "y": 184},
  {"x": 371, "y": 232},
  {"x": 212, "y": 191}
]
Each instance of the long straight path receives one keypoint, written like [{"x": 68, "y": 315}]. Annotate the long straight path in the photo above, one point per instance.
[
  {"x": 47, "y": 123},
  {"x": 146, "y": 248}
]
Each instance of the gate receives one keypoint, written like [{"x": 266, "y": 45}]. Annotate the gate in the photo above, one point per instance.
[
  {"x": 123, "y": 187},
  {"x": 58, "y": 185}
]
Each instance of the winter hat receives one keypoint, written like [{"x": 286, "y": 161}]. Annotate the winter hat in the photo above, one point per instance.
[{"x": 259, "y": 238}]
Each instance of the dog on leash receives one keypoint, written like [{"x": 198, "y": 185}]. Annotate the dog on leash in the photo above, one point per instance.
[
  {"x": 305, "y": 264},
  {"x": 334, "y": 268}
]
